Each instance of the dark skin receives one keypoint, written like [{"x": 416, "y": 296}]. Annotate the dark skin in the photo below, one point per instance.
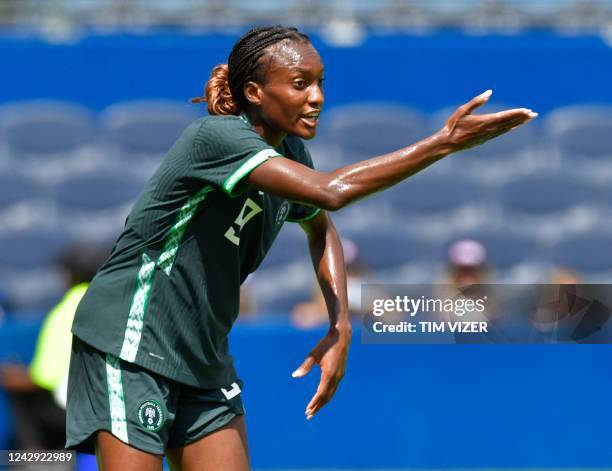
[
  {"x": 287, "y": 101},
  {"x": 292, "y": 89}
]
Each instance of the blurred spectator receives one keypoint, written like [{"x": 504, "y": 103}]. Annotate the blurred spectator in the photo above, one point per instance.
[
  {"x": 313, "y": 313},
  {"x": 248, "y": 305},
  {"x": 467, "y": 276},
  {"x": 559, "y": 305},
  {"x": 467, "y": 263},
  {"x": 565, "y": 276},
  {"x": 38, "y": 394}
]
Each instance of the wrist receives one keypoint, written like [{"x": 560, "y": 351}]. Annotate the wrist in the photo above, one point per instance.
[
  {"x": 343, "y": 329},
  {"x": 440, "y": 143}
]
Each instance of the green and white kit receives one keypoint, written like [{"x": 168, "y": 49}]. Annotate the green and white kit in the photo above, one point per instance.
[
  {"x": 139, "y": 407},
  {"x": 168, "y": 295}
]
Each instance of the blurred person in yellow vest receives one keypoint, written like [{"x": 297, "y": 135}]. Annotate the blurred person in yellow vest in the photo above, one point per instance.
[{"x": 38, "y": 393}]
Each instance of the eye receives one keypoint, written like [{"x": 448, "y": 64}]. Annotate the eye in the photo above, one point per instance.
[
  {"x": 299, "y": 84},
  {"x": 321, "y": 82}
]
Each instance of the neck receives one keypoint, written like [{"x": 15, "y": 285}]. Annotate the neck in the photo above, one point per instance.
[{"x": 274, "y": 138}]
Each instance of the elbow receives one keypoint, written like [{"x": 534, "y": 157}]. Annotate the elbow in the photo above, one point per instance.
[
  {"x": 334, "y": 203},
  {"x": 335, "y": 198}
]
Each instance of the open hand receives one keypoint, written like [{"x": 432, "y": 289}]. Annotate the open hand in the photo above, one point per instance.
[
  {"x": 464, "y": 129},
  {"x": 330, "y": 354}
]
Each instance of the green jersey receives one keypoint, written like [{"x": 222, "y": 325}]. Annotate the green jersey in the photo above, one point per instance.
[{"x": 169, "y": 293}]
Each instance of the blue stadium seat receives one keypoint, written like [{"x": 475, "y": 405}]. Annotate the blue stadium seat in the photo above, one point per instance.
[
  {"x": 540, "y": 7},
  {"x": 381, "y": 251},
  {"x": 587, "y": 253},
  {"x": 284, "y": 301},
  {"x": 430, "y": 192},
  {"x": 290, "y": 245},
  {"x": 366, "y": 130},
  {"x": 95, "y": 191},
  {"x": 582, "y": 132},
  {"x": 37, "y": 128},
  {"x": 540, "y": 194},
  {"x": 146, "y": 128},
  {"x": 31, "y": 247},
  {"x": 250, "y": 9},
  {"x": 15, "y": 189}
]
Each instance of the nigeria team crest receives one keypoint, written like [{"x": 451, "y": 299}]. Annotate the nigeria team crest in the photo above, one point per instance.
[{"x": 151, "y": 415}]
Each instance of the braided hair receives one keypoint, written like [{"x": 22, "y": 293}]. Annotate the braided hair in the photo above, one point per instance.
[{"x": 224, "y": 90}]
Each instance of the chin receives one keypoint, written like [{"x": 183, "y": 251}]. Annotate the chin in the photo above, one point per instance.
[{"x": 305, "y": 134}]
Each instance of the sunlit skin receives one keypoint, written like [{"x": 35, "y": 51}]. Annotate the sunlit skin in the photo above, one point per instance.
[
  {"x": 292, "y": 89},
  {"x": 291, "y": 92}
]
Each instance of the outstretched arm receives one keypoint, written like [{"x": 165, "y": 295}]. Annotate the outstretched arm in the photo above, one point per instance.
[
  {"x": 334, "y": 190},
  {"x": 331, "y": 352}
]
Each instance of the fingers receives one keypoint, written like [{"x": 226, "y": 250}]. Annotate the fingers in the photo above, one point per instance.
[
  {"x": 325, "y": 391},
  {"x": 476, "y": 102},
  {"x": 509, "y": 119},
  {"x": 518, "y": 113},
  {"x": 468, "y": 108},
  {"x": 304, "y": 368}
]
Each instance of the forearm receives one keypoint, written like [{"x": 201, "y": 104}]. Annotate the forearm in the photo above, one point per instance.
[
  {"x": 361, "y": 179},
  {"x": 334, "y": 190},
  {"x": 328, "y": 262}
]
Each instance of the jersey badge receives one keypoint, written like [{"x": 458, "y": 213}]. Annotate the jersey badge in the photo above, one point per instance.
[
  {"x": 282, "y": 213},
  {"x": 151, "y": 415}
]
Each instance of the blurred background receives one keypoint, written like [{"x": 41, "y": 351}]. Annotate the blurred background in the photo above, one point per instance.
[{"x": 94, "y": 92}]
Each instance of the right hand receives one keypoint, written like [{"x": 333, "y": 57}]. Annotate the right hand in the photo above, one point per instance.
[{"x": 464, "y": 129}]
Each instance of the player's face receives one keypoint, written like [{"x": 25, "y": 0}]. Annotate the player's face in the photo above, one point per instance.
[{"x": 291, "y": 97}]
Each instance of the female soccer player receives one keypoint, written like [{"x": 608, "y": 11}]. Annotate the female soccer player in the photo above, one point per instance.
[{"x": 150, "y": 369}]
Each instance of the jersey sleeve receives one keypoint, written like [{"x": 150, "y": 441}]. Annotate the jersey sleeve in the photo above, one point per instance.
[
  {"x": 226, "y": 150},
  {"x": 301, "y": 212}
]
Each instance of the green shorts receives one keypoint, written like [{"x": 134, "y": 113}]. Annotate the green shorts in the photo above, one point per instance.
[{"x": 139, "y": 407}]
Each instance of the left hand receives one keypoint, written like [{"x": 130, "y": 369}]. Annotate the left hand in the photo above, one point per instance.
[{"x": 330, "y": 354}]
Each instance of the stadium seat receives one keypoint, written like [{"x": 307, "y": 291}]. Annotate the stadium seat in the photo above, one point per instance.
[
  {"x": 59, "y": 128},
  {"x": 540, "y": 6},
  {"x": 290, "y": 245},
  {"x": 95, "y": 191},
  {"x": 541, "y": 194},
  {"x": 430, "y": 192},
  {"x": 449, "y": 12},
  {"x": 34, "y": 289},
  {"x": 263, "y": 11},
  {"x": 146, "y": 128},
  {"x": 15, "y": 189},
  {"x": 284, "y": 301},
  {"x": 587, "y": 253},
  {"x": 31, "y": 247},
  {"x": 366, "y": 130},
  {"x": 381, "y": 251},
  {"x": 582, "y": 132}
]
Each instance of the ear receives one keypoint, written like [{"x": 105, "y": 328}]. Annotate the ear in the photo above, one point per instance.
[{"x": 253, "y": 93}]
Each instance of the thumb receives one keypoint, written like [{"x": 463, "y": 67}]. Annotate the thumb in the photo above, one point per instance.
[{"x": 304, "y": 368}]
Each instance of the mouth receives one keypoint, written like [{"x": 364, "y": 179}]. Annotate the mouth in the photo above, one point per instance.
[{"x": 311, "y": 119}]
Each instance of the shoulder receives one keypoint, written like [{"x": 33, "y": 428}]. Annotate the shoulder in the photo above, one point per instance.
[
  {"x": 222, "y": 124},
  {"x": 226, "y": 132}
]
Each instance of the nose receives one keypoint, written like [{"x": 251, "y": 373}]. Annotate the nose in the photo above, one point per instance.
[{"x": 316, "y": 98}]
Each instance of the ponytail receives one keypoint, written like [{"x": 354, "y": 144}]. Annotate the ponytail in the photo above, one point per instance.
[
  {"x": 224, "y": 90},
  {"x": 217, "y": 93}
]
